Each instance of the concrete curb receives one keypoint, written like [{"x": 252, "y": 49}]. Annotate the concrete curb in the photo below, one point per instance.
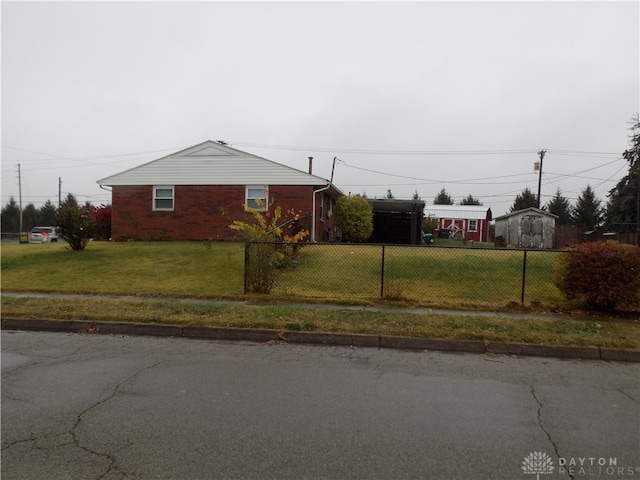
[{"x": 321, "y": 338}]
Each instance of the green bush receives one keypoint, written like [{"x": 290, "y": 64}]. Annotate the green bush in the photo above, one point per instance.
[
  {"x": 76, "y": 225},
  {"x": 354, "y": 217},
  {"x": 602, "y": 275}
]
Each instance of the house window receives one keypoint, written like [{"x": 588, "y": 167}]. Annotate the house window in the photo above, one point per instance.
[
  {"x": 163, "y": 198},
  {"x": 257, "y": 197},
  {"x": 473, "y": 225}
]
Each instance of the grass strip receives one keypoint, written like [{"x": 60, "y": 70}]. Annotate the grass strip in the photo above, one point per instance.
[{"x": 625, "y": 335}]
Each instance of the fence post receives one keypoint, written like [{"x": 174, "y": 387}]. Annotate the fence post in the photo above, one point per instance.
[
  {"x": 382, "y": 275},
  {"x": 524, "y": 275},
  {"x": 246, "y": 266}
]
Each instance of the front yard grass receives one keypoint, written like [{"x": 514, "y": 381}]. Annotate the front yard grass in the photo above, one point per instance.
[
  {"x": 324, "y": 274},
  {"x": 296, "y": 318}
]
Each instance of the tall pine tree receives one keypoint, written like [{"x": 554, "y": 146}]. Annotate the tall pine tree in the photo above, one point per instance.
[
  {"x": 622, "y": 206},
  {"x": 588, "y": 212},
  {"x": 524, "y": 200},
  {"x": 559, "y": 205}
]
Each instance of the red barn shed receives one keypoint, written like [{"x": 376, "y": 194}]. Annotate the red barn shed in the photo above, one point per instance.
[{"x": 461, "y": 221}]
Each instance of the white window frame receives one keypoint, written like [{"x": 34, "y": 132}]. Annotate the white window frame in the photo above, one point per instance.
[
  {"x": 473, "y": 226},
  {"x": 157, "y": 198},
  {"x": 250, "y": 197}
]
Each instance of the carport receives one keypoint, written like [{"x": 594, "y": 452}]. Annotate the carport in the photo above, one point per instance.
[{"x": 397, "y": 221}]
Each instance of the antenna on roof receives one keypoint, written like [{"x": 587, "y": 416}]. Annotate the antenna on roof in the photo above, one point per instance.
[{"x": 222, "y": 142}]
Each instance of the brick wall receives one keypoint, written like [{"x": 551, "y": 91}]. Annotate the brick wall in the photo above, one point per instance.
[{"x": 202, "y": 211}]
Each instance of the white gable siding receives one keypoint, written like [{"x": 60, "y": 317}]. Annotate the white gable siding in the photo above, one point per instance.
[
  {"x": 211, "y": 163},
  {"x": 464, "y": 212}
]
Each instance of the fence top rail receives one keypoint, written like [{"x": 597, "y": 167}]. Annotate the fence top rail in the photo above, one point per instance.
[{"x": 404, "y": 245}]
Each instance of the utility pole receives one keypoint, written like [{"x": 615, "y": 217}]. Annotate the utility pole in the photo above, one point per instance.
[
  {"x": 59, "y": 191},
  {"x": 20, "y": 198},
  {"x": 542, "y": 154}
]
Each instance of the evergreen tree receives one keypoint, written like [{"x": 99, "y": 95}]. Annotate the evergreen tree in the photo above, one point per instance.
[
  {"x": 48, "y": 214},
  {"x": 70, "y": 200},
  {"x": 470, "y": 201},
  {"x": 415, "y": 195},
  {"x": 30, "y": 217},
  {"x": 588, "y": 212},
  {"x": 10, "y": 217},
  {"x": 443, "y": 198},
  {"x": 559, "y": 205},
  {"x": 389, "y": 194},
  {"x": 622, "y": 206},
  {"x": 523, "y": 200}
]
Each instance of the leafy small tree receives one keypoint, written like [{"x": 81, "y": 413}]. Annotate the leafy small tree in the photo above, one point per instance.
[
  {"x": 524, "y": 200},
  {"x": 588, "y": 212},
  {"x": 76, "y": 225},
  {"x": 469, "y": 200},
  {"x": 354, "y": 216},
  {"x": 429, "y": 224},
  {"x": 443, "y": 198},
  {"x": 268, "y": 246},
  {"x": 603, "y": 275},
  {"x": 559, "y": 205}
]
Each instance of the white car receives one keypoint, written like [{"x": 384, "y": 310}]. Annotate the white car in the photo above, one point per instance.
[{"x": 43, "y": 235}]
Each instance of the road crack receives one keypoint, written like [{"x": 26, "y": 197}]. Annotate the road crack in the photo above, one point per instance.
[
  {"x": 112, "y": 463},
  {"x": 541, "y": 425}
]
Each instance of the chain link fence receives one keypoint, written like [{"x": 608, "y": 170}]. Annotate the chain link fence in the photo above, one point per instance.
[{"x": 455, "y": 276}]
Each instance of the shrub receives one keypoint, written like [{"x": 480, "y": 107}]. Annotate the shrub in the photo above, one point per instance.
[
  {"x": 76, "y": 225},
  {"x": 602, "y": 275},
  {"x": 269, "y": 248},
  {"x": 354, "y": 217},
  {"x": 102, "y": 221}
]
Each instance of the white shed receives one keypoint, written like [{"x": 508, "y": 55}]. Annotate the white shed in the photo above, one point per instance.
[{"x": 528, "y": 228}]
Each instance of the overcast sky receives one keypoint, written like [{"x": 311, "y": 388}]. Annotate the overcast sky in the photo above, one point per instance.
[{"x": 414, "y": 96}]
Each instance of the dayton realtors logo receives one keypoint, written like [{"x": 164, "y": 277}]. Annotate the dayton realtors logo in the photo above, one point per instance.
[{"x": 537, "y": 463}]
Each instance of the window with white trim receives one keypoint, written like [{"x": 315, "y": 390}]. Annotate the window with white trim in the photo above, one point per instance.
[
  {"x": 163, "y": 197},
  {"x": 473, "y": 226},
  {"x": 257, "y": 197}
]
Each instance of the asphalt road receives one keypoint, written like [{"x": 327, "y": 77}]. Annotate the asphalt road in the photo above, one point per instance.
[{"x": 82, "y": 406}]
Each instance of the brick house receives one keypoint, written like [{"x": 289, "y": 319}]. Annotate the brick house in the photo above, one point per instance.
[
  {"x": 461, "y": 221},
  {"x": 196, "y": 193}
]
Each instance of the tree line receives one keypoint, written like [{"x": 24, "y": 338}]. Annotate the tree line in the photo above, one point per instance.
[
  {"x": 97, "y": 222},
  {"x": 620, "y": 213}
]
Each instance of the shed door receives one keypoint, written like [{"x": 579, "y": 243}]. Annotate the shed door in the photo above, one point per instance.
[{"x": 531, "y": 231}]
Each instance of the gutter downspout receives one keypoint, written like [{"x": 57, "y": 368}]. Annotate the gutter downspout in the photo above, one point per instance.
[{"x": 313, "y": 212}]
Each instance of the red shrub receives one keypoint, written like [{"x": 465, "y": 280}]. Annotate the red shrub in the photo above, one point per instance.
[
  {"x": 102, "y": 221},
  {"x": 603, "y": 275}
]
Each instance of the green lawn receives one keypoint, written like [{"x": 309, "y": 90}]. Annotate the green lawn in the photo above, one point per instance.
[
  {"x": 173, "y": 269},
  {"x": 343, "y": 273},
  {"x": 426, "y": 275},
  {"x": 438, "y": 277}
]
